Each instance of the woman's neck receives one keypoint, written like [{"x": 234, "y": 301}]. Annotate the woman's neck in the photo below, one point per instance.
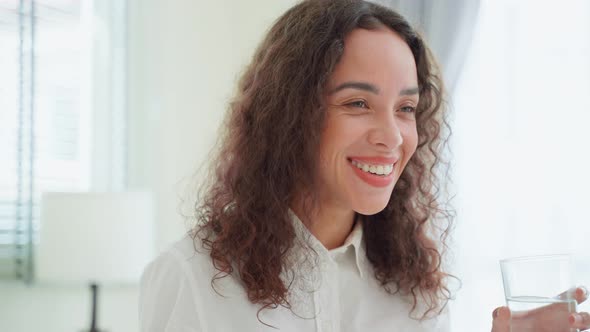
[{"x": 330, "y": 225}]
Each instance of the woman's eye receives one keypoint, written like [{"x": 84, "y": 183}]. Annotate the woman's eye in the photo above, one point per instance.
[
  {"x": 358, "y": 103},
  {"x": 408, "y": 109}
]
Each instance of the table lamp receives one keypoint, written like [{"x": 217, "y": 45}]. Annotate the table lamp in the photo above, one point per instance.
[{"x": 95, "y": 239}]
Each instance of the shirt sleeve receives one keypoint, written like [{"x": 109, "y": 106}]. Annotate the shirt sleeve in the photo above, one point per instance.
[{"x": 166, "y": 301}]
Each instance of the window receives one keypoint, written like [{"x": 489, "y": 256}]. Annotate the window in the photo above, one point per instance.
[{"x": 62, "y": 111}]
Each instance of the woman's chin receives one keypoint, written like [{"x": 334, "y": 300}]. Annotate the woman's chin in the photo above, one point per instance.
[{"x": 370, "y": 208}]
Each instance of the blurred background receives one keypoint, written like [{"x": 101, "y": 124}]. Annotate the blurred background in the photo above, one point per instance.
[{"x": 119, "y": 101}]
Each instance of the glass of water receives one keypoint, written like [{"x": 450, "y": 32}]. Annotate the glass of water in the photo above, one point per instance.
[{"x": 537, "y": 283}]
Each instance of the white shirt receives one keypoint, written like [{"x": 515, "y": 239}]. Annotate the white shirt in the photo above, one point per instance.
[{"x": 334, "y": 291}]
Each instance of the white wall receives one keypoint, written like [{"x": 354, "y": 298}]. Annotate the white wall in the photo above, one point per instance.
[
  {"x": 184, "y": 61},
  {"x": 184, "y": 58}
]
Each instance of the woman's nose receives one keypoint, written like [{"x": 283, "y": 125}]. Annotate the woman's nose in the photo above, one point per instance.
[{"x": 386, "y": 133}]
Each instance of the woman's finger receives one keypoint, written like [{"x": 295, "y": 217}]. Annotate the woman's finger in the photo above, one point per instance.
[
  {"x": 580, "y": 294},
  {"x": 501, "y": 322},
  {"x": 579, "y": 320}
]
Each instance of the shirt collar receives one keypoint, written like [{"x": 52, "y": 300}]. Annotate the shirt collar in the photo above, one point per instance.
[{"x": 355, "y": 240}]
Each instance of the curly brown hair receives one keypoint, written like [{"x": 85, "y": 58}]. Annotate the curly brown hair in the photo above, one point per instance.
[{"x": 269, "y": 152}]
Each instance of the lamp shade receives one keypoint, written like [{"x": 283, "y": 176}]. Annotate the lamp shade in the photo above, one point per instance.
[{"x": 94, "y": 237}]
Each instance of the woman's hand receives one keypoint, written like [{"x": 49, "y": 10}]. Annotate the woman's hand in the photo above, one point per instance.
[{"x": 550, "y": 318}]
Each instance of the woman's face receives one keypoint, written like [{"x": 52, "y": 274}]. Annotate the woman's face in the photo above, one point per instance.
[{"x": 370, "y": 129}]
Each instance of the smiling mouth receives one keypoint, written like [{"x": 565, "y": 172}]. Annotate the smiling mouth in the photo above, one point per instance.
[{"x": 379, "y": 170}]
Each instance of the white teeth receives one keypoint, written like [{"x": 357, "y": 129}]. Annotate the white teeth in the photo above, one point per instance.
[{"x": 375, "y": 169}]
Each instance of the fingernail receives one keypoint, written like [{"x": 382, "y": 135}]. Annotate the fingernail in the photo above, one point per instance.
[
  {"x": 575, "y": 319},
  {"x": 495, "y": 313}
]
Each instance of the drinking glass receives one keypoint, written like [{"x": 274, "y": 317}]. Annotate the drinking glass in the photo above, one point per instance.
[{"x": 533, "y": 282}]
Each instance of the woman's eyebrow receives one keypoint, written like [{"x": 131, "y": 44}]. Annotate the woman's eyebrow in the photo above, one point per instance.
[
  {"x": 365, "y": 86},
  {"x": 410, "y": 91}
]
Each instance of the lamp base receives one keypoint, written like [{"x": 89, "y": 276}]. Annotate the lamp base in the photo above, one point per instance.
[{"x": 93, "y": 324}]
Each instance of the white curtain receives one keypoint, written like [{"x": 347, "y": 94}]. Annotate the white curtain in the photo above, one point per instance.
[
  {"x": 447, "y": 26},
  {"x": 521, "y": 113}
]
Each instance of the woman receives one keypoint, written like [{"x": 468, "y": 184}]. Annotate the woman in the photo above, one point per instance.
[{"x": 322, "y": 211}]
